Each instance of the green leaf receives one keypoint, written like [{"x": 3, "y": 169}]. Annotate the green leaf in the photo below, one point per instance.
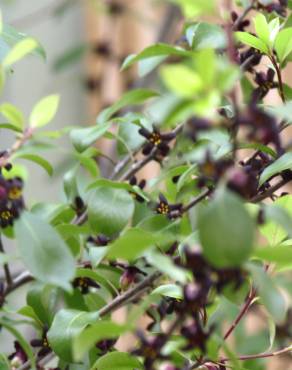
[
  {"x": 270, "y": 295},
  {"x": 156, "y": 50},
  {"x": 44, "y": 111},
  {"x": 193, "y": 9},
  {"x": 131, "y": 244},
  {"x": 262, "y": 28},
  {"x": 82, "y": 138},
  {"x": 117, "y": 361},
  {"x": 281, "y": 164},
  {"x": 279, "y": 218},
  {"x": 133, "y": 97},
  {"x": 44, "y": 252},
  {"x": 250, "y": 40},
  {"x": 69, "y": 57},
  {"x": 189, "y": 81},
  {"x": 36, "y": 159},
  {"x": 280, "y": 254},
  {"x": 283, "y": 44},
  {"x": 42, "y": 299},
  {"x": 165, "y": 264},
  {"x": 169, "y": 290},
  {"x": 95, "y": 333},
  {"x": 205, "y": 36},
  {"x": 19, "y": 51},
  {"x": 9, "y": 126},
  {"x": 226, "y": 230},
  {"x": 109, "y": 210},
  {"x": 10, "y": 37},
  {"x": 67, "y": 325},
  {"x": 13, "y": 115}
]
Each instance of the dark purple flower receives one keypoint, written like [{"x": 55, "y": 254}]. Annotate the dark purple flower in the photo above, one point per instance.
[
  {"x": 84, "y": 284},
  {"x": 156, "y": 139},
  {"x": 42, "y": 344},
  {"x": 17, "y": 358}
]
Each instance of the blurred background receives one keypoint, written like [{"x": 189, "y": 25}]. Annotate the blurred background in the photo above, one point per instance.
[{"x": 86, "y": 42}]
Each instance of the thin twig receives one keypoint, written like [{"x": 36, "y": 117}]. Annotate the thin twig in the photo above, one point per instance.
[
  {"x": 261, "y": 355},
  {"x": 270, "y": 191},
  {"x": 196, "y": 200},
  {"x": 6, "y": 266},
  {"x": 251, "y": 296},
  {"x": 121, "y": 299},
  {"x": 21, "y": 279},
  {"x": 4, "y": 159},
  {"x": 243, "y": 15},
  {"x": 279, "y": 76}
]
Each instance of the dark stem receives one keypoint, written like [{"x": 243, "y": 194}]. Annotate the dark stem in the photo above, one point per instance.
[
  {"x": 279, "y": 76},
  {"x": 243, "y": 15},
  {"x": 196, "y": 200},
  {"x": 6, "y": 266},
  {"x": 262, "y": 355},
  {"x": 270, "y": 191},
  {"x": 121, "y": 299},
  {"x": 242, "y": 312}
]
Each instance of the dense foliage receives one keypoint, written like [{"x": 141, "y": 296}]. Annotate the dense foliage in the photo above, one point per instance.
[{"x": 192, "y": 250}]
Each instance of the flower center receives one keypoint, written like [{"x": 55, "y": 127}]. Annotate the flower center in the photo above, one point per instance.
[{"x": 15, "y": 193}]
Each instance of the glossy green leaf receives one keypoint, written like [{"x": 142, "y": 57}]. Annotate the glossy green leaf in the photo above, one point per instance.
[
  {"x": 42, "y": 299},
  {"x": 165, "y": 264},
  {"x": 262, "y": 28},
  {"x": 109, "y": 210},
  {"x": 157, "y": 50},
  {"x": 169, "y": 290},
  {"x": 270, "y": 295},
  {"x": 280, "y": 254},
  {"x": 133, "y": 97},
  {"x": 283, "y": 44},
  {"x": 117, "y": 361},
  {"x": 43, "y": 251},
  {"x": 205, "y": 35},
  {"x": 132, "y": 244},
  {"x": 226, "y": 243},
  {"x": 278, "y": 220},
  {"x": 281, "y": 164},
  {"x": 44, "y": 111},
  {"x": 10, "y": 37},
  {"x": 13, "y": 115},
  {"x": 93, "y": 334},
  {"x": 189, "y": 81},
  {"x": 36, "y": 159},
  {"x": 67, "y": 325},
  {"x": 250, "y": 40},
  {"x": 19, "y": 51},
  {"x": 193, "y": 9},
  {"x": 82, "y": 138}
]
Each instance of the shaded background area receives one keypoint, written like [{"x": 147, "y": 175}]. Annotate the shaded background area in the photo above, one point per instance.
[{"x": 86, "y": 42}]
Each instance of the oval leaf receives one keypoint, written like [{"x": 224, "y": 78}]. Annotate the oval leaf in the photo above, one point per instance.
[
  {"x": 226, "y": 230},
  {"x": 67, "y": 325},
  {"x": 281, "y": 164},
  {"x": 109, "y": 210},
  {"x": 44, "y": 252},
  {"x": 44, "y": 111},
  {"x": 117, "y": 361}
]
